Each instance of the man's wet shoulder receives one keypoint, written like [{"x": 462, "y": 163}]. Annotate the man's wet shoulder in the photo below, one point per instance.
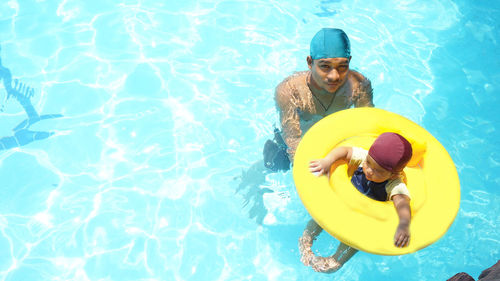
[
  {"x": 293, "y": 84},
  {"x": 359, "y": 81},
  {"x": 357, "y": 76},
  {"x": 297, "y": 78}
]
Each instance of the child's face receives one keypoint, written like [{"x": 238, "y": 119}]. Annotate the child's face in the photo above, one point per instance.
[{"x": 374, "y": 172}]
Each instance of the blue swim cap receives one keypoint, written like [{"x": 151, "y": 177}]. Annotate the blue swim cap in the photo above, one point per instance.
[{"x": 330, "y": 43}]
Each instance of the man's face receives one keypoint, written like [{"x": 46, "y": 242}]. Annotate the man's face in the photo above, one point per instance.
[{"x": 330, "y": 73}]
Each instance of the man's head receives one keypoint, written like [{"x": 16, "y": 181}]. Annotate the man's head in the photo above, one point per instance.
[
  {"x": 330, "y": 43},
  {"x": 387, "y": 157},
  {"x": 330, "y": 54}
]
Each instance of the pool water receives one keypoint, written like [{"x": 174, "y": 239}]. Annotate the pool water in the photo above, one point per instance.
[{"x": 127, "y": 131}]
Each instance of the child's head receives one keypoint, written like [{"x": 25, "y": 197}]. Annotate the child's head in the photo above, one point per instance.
[{"x": 387, "y": 157}]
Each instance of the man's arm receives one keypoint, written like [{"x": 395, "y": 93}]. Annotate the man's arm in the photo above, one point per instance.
[
  {"x": 289, "y": 117},
  {"x": 402, "y": 205}
]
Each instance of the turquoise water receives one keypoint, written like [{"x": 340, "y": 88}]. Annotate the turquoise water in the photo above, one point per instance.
[{"x": 123, "y": 139}]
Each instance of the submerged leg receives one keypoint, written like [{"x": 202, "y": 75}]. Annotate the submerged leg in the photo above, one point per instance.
[
  {"x": 335, "y": 262},
  {"x": 340, "y": 250},
  {"x": 322, "y": 264},
  {"x": 313, "y": 229},
  {"x": 325, "y": 265},
  {"x": 305, "y": 242},
  {"x": 347, "y": 254}
]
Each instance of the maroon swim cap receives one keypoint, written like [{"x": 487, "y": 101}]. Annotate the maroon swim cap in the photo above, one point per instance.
[{"x": 391, "y": 151}]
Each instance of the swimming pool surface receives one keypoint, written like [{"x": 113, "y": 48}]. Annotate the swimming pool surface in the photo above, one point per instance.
[{"x": 125, "y": 129}]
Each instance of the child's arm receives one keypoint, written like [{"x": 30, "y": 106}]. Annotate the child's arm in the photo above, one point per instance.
[
  {"x": 402, "y": 205},
  {"x": 322, "y": 166}
]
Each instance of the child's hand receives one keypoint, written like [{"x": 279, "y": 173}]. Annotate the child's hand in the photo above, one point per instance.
[
  {"x": 402, "y": 237},
  {"x": 318, "y": 167}
]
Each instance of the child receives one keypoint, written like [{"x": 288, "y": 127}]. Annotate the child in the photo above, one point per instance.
[{"x": 378, "y": 176}]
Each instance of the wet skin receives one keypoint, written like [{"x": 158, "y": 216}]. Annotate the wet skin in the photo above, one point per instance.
[{"x": 327, "y": 75}]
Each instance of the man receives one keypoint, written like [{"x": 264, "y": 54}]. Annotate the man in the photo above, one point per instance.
[
  {"x": 328, "y": 86},
  {"x": 306, "y": 97},
  {"x": 302, "y": 99}
]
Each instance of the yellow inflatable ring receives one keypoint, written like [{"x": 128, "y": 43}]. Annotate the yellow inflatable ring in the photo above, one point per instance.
[{"x": 361, "y": 222}]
